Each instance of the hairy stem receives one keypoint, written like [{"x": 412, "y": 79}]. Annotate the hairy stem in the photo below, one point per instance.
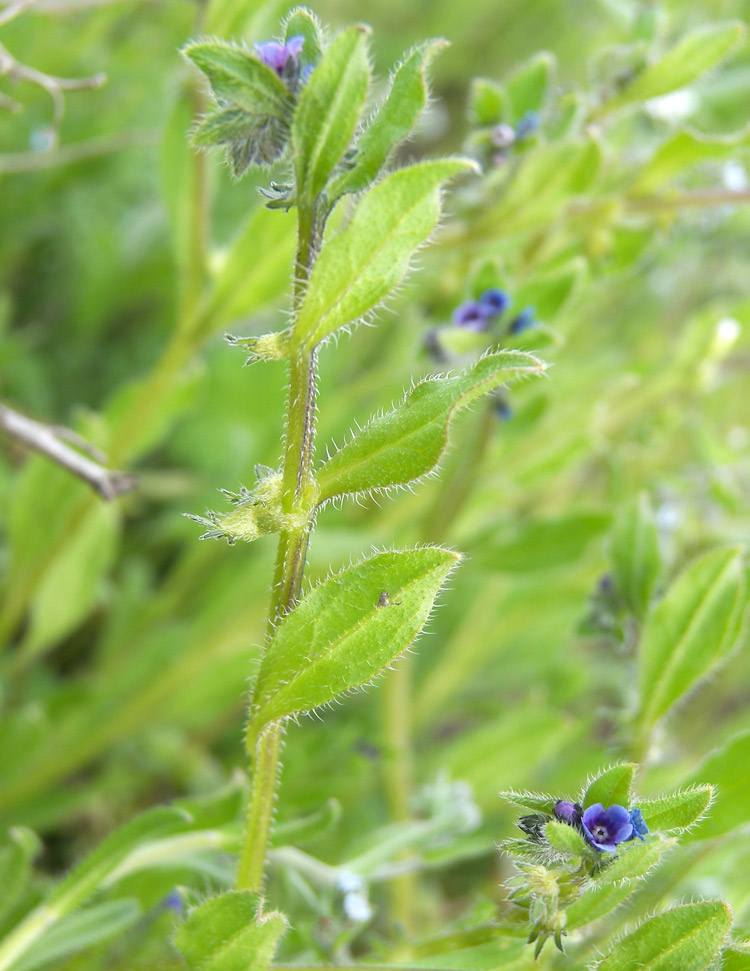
[{"x": 264, "y": 751}]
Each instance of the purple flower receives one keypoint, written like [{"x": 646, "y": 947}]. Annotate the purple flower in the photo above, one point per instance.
[
  {"x": 502, "y": 136},
  {"x": 568, "y": 812},
  {"x": 605, "y": 828},
  {"x": 471, "y": 315},
  {"x": 277, "y": 56},
  {"x": 523, "y": 321},
  {"x": 494, "y": 301},
  {"x": 639, "y": 825}
]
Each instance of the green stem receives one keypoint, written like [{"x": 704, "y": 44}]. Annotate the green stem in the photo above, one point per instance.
[{"x": 297, "y": 480}]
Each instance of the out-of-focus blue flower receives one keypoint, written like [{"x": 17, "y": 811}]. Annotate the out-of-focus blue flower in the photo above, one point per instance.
[
  {"x": 277, "y": 55},
  {"x": 525, "y": 320},
  {"x": 173, "y": 902},
  {"x": 527, "y": 125},
  {"x": 494, "y": 301},
  {"x": 605, "y": 828},
  {"x": 639, "y": 824},
  {"x": 471, "y": 315},
  {"x": 502, "y": 409},
  {"x": 568, "y": 812}
]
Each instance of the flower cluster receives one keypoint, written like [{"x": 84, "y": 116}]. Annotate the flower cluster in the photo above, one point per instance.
[
  {"x": 503, "y": 136},
  {"x": 603, "y": 828}
]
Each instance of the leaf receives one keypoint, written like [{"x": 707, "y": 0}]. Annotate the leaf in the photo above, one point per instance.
[
  {"x": 488, "y": 102},
  {"x": 80, "y": 930},
  {"x": 396, "y": 117},
  {"x": 725, "y": 769},
  {"x": 247, "y": 277},
  {"x": 228, "y": 933},
  {"x": 306, "y": 828},
  {"x": 303, "y": 23},
  {"x": 616, "y": 882},
  {"x": 238, "y": 76},
  {"x": 548, "y": 293},
  {"x": 736, "y": 957},
  {"x": 687, "y": 937},
  {"x": 566, "y": 839},
  {"x": 527, "y": 87},
  {"x": 72, "y": 581},
  {"x": 521, "y": 544},
  {"x": 535, "y": 801},
  {"x": 346, "y": 630},
  {"x": 16, "y": 856},
  {"x": 359, "y": 267},
  {"x": 673, "y": 813},
  {"x": 408, "y": 442},
  {"x": 683, "y": 150},
  {"x": 694, "y": 53},
  {"x": 635, "y": 554},
  {"x": 691, "y": 630},
  {"x": 611, "y": 787},
  {"x": 328, "y": 109}
]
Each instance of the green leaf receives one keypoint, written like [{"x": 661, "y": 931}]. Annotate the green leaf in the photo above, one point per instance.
[
  {"x": 328, "y": 110},
  {"x": 407, "y": 442},
  {"x": 226, "y": 125},
  {"x": 238, "y": 76},
  {"x": 673, "y": 813},
  {"x": 527, "y": 87},
  {"x": 724, "y": 768},
  {"x": 691, "y": 630},
  {"x": 73, "y": 580},
  {"x": 687, "y": 937},
  {"x": 16, "y": 856},
  {"x": 694, "y": 53},
  {"x": 611, "y": 786},
  {"x": 635, "y": 555},
  {"x": 80, "y": 930},
  {"x": 736, "y": 957},
  {"x": 403, "y": 104},
  {"x": 228, "y": 933},
  {"x": 306, "y": 828},
  {"x": 548, "y": 293},
  {"x": 302, "y": 22},
  {"x": 538, "y": 802},
  {"x": 347, "y": 630},
  {"x": 683, "y": 150},
  {"x": 488, "y": 102},
  {"x": 616, "y": 882},
  {"x": 566, "y": 839},
  {"x": 367, "y": 260}
]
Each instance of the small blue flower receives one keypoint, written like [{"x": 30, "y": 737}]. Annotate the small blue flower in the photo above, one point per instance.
[
  {"x": 527, "y": 125},
  {"x": 471, "y": 315},
  {"x": 494, "y": 301},
  {"x": 605, "y": 828},
  {"x": 525, "y": 320},
  {"x": 568, "y": 812},
  {"x": 277, "y": 56},
  {"x": 173, "y": 902},
  {"x": 639, "y": 824},
  {"x": 502, "y": 409}
]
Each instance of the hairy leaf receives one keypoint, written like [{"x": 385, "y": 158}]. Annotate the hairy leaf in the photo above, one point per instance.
[
  {"x": 403, "y": 104},
  {"x": 346, "y": 630},
  {"x": 610, "y": 787},
  {"x": 527, "y": 87},
  {"x": 328, "y": 110},
  {"x": 687, "y": 937},
  {"x": 407, "y": 442},
  {"x": 302, "y": 22},
  {"x": 228, "y": 933},
  {"x": 240, "y": 77},
  {"x": 691, "y": 630},
  {"x": 683, "y": 150},
  {"x": 670, "y": 814},
  {"x": 635, "y": 555},
  {"x": 725, "y": 768},
  {"x": 566, "y": 839},
  {"x": 358, "y": 268},
  {"x": 535, "y": 801}
]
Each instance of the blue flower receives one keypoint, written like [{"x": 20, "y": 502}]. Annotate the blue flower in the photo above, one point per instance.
[
  {"x": 494, "y": 301},
  {"x": 527, "y": 125},
  {"x": 277, "y": 56},
  {"x": 605, "y": 828},
  {"x": 639, "y": 824},
  {"x": 526, "y": 319},
  {"x": 471, "y": 315}
]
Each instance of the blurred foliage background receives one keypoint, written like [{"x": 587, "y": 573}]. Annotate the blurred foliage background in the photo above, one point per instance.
[{"x": 127, "y": 644}]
